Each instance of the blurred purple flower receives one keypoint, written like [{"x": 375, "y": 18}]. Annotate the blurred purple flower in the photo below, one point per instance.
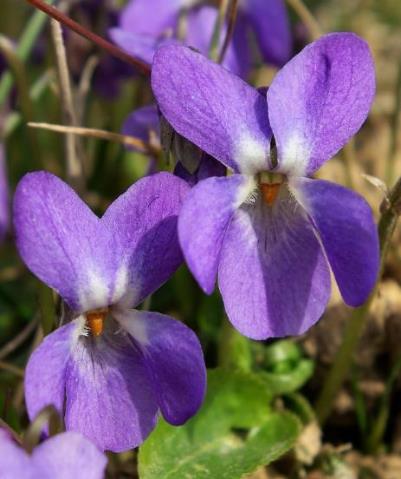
[
  {"x": 269, "y": 231},
  {"x": 111, "y": 369},
  {"x": 141, "y": 31},
  {"x": 65, "y": 456}
]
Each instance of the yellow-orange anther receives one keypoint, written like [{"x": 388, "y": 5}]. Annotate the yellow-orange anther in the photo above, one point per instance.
[
  {"x": 270, "y": 192},
  {"x": 95, "y": 319}
]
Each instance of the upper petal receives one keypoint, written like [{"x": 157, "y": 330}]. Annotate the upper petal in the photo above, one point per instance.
[
  {"x": 273, "y": 276},
  {"x": 143, "y": 222},
  {"x": 174, "y": 360},
  {"x": 269, "y": 20},
  {"x": 108, "y": 395},
  {"x": 203, "y": 222},
  {"x": 319, "y": 100},
  {"x": 69, "y": 455},
  {"x": 139, "y": 45},
  {"x": 62, "y": 241},
  {"x": 345, "y": 225},
  {"x": 211, "y": 107},
  {"x": 152, "y": 17}
]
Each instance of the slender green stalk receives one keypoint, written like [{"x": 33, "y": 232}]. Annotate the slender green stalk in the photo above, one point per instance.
[
  {"x": 23, "y": 50},
  {"x": 391, "y": 210},
  {"x": 379, "y": 425},
  {"x": 232, "y": 17},
  {"x": 47, "y": 308},
  {"x": 20, "y": 75},
  {"x": 218, "y": 27},
  {"x": 307, "y": 18},
  {"x": 395, "y": 130}
]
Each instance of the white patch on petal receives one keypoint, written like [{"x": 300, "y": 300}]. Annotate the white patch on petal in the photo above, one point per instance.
[
  {"x": 246, "y": 191},
  {"x": 81, "y": 329},
  {"x": 96, "y": 292},
  {"x": 295, "y": 155},
  {"x": 121, "y": 283},
  {"x": 250, "y": 156},
  {"x": 135, "y": 327}
]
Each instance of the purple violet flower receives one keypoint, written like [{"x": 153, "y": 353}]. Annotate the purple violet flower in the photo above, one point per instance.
[
  {"x": 269, "y": 231},
  {"x": 141, "y": 32},
  {"x": 111, "y": 369},
  {"x": 65, "y": 456}
]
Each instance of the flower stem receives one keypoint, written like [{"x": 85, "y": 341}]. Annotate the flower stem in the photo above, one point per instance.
[
  {"x": 25, "y": 46},
  {"x": 395, "y": 130},
  {"x": 214, "y": 44},
  {"x": 379, "y": 426},
  {"x": 232, "y": 17},
  {"x": 391, "y": 209},
  {"x": 307, "y": 18},
  {"x": 141, "y": 66}
]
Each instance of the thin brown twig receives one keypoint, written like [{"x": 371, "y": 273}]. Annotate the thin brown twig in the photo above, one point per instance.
[
  {"x": 73, "y": 151},
  {"x": 12, "y": 369},
  {"x": 141, "y": 66},
  {"x": 141, "y": 145}
]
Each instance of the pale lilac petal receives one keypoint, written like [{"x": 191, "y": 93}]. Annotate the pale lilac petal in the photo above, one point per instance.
[
  {"x": 46, "y": 369},
  {"x": 14, "y": 461},
  {"x": 269, "y": 21},
  {"x": 4, "y": 195},
  {"x": 208, "y": 167},
  {"x": 174, "y": 360},
  {"x": 200, "y": 27},
  {"x": 143, "y": 123},
  {"x": 63, "y": 242},
  {"x": 138, "y": 45},
  {"x": 213, "y": 108},
  {"x": 69, "y": 456},
  {"x": 109, "y": 398},
  {"x": 273, "y": 275},
  {"x": 203, "y": 222},
  {"x": 345, "y": 225},
  {"x": 152, "y": 17},
  {"x": 319, "y": 100},
  {"x": 144, "y": 224}
]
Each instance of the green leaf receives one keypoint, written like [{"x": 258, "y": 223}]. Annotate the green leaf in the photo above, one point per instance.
[{"x": 234, "y": 433}]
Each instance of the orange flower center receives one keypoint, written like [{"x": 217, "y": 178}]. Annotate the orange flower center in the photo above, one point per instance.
[
  {"x": 270, "y": 192},
  {"x": 95, "y": 321}
]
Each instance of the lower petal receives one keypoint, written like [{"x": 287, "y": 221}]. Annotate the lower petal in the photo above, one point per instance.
[
  {"x": 174, "y": 359},
  {"x": 346, "y": 227},
  {"x": 14, "y": 461},
  {"x": 109, "y": 398},
  {"x": 273, "y": 276},
  {"x": 203, "y": 221}
]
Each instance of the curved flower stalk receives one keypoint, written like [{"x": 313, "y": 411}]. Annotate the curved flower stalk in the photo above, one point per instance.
[
  {"x": 141, "y": 32},
  {"x": 144, "y": 123},
  {"x": 65, "y": 456},
  {"x": 4, "y": 196},
  {"x": 269, "y": 232},
  {"x": 111, "y": 369}
]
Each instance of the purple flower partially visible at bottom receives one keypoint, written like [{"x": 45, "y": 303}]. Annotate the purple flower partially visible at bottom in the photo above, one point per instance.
[
  {"x": 111, "y": 369},
  {"x": 268, "y": 232},
  {"x": 65, "y": 456}
]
